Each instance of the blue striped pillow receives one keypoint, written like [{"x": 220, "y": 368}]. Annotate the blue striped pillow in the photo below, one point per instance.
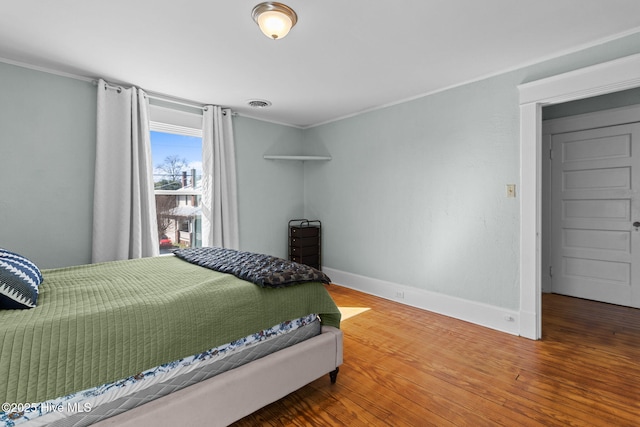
[{"x": 19, "y": 280}]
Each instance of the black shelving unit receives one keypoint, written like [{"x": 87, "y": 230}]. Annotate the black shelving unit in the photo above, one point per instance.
[{"x": 305, "y": 237}]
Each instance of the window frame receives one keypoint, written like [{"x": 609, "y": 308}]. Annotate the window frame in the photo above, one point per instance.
[{"x": 168, "y": 122}]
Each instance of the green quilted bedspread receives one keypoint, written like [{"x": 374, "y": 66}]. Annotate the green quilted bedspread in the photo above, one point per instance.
[{"x": 103, "y": 322}]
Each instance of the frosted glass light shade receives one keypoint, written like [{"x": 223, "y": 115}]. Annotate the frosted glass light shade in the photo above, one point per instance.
[
  {"x": 274, "y": 19},
  {"x": 274, "y": 24}
]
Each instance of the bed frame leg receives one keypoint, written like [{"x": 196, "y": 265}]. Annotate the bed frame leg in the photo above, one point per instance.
[{"x": 333, "y": 375}]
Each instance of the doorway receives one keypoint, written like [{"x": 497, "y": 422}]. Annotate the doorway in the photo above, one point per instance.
[{"x": 608, "y": 77}]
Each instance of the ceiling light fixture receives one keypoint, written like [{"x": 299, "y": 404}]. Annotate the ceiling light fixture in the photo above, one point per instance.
[{"x": 274, "y": 19}]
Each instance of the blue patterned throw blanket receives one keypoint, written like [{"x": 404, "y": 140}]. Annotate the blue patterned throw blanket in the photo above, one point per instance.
[{"x": 264, "y": 270}]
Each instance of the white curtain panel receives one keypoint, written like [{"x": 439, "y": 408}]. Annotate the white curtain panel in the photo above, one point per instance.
[
  {"x": 124, "y": 213},
  {"x": 219, "y": 190}
]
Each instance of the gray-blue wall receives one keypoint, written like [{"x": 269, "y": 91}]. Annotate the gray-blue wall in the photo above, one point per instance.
[
  {"x": 416, "y": 193},
  {"x": 270, "y": 192},
  {"x": 47, "y": 152}
]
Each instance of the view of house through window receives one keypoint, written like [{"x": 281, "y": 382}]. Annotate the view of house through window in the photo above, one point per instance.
[{"x": 177, "y": 176}]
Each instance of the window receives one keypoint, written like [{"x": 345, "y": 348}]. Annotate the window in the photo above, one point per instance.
[{"x": 177, "y": 159}]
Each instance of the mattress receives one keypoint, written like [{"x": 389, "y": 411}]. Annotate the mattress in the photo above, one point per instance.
[{"x": 91, "y": 406}]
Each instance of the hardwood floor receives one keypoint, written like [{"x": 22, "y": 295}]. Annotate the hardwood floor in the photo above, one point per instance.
[{"x": 408, "y": 367}]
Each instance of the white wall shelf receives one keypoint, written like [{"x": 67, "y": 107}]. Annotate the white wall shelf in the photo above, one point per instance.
[{"x": 303, "y": 158}]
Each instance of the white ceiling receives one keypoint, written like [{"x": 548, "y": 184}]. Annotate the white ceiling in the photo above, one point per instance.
[{"x": 343, "y": 57}]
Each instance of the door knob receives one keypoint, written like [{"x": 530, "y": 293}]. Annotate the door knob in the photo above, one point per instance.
[{"x": 636, "y": 224}]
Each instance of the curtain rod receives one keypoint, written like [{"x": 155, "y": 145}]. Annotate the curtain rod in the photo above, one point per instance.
[{"x": 161, "y": 97}]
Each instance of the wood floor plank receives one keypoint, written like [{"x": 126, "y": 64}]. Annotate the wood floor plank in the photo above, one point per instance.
[{"x": 408, "y": 367}]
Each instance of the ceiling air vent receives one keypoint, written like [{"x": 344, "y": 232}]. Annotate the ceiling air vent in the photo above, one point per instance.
[{"x": 259, "y": 103}]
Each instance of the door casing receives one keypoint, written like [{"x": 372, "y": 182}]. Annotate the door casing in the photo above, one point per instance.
[{"x": 600, "y": 79}]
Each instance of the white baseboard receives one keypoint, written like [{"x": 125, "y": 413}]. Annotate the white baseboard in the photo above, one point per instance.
[{"x": 470, "y": 311}]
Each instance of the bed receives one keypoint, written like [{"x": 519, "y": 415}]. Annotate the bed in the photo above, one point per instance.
[{"x": 203, "y": 337}]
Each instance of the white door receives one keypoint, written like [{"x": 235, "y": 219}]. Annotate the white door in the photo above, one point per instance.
[{"x": 595, "y": 184}]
